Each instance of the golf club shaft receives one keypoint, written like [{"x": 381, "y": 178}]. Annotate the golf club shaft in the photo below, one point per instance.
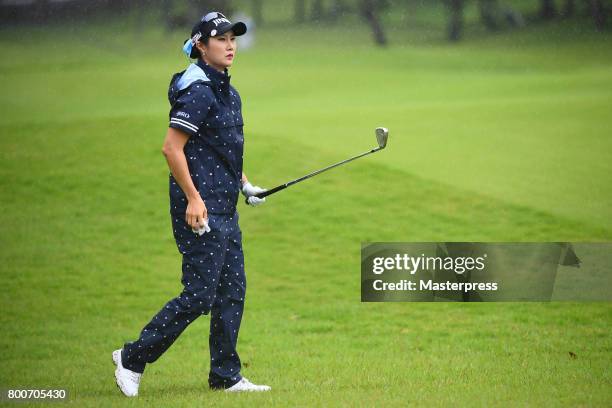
[{"x": 284, "y": 186}]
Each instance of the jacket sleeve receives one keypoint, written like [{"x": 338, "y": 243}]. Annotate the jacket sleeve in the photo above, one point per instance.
[{"x": 191, "y": 108}]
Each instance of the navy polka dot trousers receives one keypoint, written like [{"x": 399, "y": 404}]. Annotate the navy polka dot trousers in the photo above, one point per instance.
[{"x": 214, "y": 282}]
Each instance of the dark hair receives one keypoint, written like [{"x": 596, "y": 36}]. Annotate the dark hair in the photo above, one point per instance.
[{"x": 196, "y": 52}]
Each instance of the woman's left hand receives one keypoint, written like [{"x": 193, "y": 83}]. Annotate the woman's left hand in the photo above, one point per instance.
[{"x": 250, "y": 191}]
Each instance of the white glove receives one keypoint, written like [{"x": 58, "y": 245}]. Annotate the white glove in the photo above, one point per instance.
[
  {"x": 249, "y": 191},
  {"x": 203, "y": 229}
]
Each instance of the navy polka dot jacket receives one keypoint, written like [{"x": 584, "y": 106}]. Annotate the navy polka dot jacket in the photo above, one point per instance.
[{"x": 209, "y": 110}]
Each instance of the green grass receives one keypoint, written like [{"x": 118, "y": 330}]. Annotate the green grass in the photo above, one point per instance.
[{"x": 501, "y": 138}]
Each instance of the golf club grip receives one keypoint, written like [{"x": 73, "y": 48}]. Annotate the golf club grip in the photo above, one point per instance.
[{"x": 267, "y": 192}]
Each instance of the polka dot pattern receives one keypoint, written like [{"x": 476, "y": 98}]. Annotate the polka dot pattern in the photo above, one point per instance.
[
  {"x": 211, "y": 113},
  {"x": 214, "y": 283}
]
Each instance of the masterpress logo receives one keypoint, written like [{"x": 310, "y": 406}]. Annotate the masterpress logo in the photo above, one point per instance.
[
  {"x": 485, "y": 272},
  {"x": 413, "y": 264}
]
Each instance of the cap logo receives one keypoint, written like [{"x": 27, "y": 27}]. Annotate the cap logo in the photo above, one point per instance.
[
  {"x": 218, "y": 21},
  {"x": 213, "y": 32},
  {"x": 195, "y": 38}
]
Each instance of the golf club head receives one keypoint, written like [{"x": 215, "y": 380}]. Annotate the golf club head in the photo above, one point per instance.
[{"x": 382, "y": 134}]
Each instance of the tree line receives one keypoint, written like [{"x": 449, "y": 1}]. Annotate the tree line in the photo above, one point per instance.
[{"x": 494, "y": 14}]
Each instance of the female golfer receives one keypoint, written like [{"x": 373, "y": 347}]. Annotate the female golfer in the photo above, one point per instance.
[{"x": 203, "y": 148}]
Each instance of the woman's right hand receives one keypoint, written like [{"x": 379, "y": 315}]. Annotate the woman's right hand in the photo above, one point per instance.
[{"x": 196, "y": 213}]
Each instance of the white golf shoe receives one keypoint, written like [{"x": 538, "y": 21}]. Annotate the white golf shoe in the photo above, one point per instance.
[
  {"x": 246, "y": 385},
  {"x": 127, "y": 380}
]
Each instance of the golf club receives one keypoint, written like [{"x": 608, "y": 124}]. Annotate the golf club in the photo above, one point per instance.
[{"x": 382, "y": 134}]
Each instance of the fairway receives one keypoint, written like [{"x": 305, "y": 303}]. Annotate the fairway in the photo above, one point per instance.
[{"x": 493, "y": 139}]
